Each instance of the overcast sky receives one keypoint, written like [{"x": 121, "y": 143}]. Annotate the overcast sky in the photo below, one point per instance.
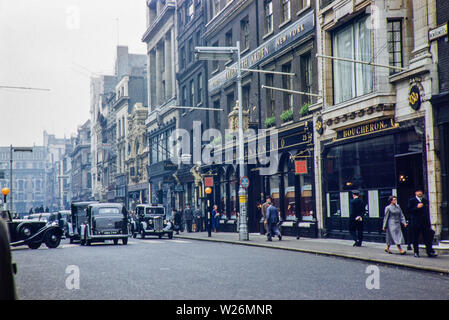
[{"x": 55, "y": 44}]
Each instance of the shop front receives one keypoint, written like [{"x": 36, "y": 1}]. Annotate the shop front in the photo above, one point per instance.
[
  {"x": 137, "y": 194},
  {"x": 379, "y": 158},
  {"x": 291, "y": 187}
]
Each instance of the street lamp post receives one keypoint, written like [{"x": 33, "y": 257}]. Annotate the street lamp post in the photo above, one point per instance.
[{"x": 225, "y": 53}]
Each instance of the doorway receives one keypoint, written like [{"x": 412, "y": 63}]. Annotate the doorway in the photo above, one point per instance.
[{"x": 409, "y": 176}]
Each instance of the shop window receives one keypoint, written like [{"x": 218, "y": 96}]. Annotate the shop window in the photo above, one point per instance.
[
  {"x": 233, "y": 196},
  {"x": 352, "y": 79}
]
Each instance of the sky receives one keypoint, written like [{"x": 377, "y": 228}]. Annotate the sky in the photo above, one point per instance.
[{"x": 58, "y": 45}]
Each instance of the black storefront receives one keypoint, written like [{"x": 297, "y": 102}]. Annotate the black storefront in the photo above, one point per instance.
[
  {"x": 441, "y": 104},
  {"x": 290, "y": 185},
  {"x": 380, "y": 158}
]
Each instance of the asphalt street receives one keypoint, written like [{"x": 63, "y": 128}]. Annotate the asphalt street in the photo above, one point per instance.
[{"x": 188, "y": 269}]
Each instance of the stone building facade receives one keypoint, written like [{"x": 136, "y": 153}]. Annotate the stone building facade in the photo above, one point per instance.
[
  {"x": 81, "y": 164},
  {"x": 376, "y": 130},
  {"x": 162, "y": 64}
]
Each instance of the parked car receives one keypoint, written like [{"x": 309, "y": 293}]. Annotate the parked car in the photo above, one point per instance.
[
  {"x": 78, "y": 213},
  {"x": 150, "y": 220},
  {"x": 44, "y": 216},
  {"x": 104, "y": 221},
  {"x": 32, "y": 232}
]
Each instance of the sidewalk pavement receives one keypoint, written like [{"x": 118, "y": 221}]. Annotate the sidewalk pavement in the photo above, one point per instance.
[{"x": 372, "y": 252}]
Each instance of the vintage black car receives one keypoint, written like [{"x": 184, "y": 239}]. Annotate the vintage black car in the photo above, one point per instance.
[
  {"x": 78, "y": 217},
  {"x": 32, "y": 232},
  {"x": 61, "y": 218},
  {"x": 104, "y": 221},
  {"x": 150, "y": 220}
]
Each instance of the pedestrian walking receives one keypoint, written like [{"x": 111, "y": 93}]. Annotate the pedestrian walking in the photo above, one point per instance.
[
  {"x": 188, "y": 218},
  {"x": 357, "y": 210},
  {"x": 215, "y": 218},
  {"x": 272, "y": 220},
  {"x": 265, "y": 206},
  {"x": 198, "y": 219},
  {"x": 393, "y": 219},
  {"x": 420, "y": 223},
  {"x": 177, "y": 221}
]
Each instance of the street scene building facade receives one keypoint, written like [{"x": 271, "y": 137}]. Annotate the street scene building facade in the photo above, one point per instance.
[{"x": 352, "y": 93}]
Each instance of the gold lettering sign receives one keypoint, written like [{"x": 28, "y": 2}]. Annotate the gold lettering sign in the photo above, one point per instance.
[{"x": 365, "y": 129}]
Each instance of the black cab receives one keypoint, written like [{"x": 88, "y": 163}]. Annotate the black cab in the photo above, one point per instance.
[
  {"x": 151, "y": 220},
  {"x": 104, "y": 221}
]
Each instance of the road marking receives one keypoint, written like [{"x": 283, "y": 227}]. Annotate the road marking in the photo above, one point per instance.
[{"x": 180, "y": 241}]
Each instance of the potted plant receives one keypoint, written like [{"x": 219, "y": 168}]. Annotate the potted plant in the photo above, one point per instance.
[
  {"x": 304, "y": 109},
  {"x": 270, "y": 121},
  {"x": 287, "y": 115}
]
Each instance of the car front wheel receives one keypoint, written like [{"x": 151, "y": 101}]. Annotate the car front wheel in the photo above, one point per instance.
[
  {"x": 52, "y": 240},
  {"x": 34, "y": 245}
]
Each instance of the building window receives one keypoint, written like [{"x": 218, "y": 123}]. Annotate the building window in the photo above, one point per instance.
[
  {"x": 228, "y": 38},
  {"x": 270, "y": 95},
  {"x": 285, "y": 10},
  {"x": 352, "y": 79},
  {"x": 244, "y": 34},
  {"x": 190, "y": 10},
  {"x": 215, "y": 64},
  {"x": 217, "y": 114},
  {"x": 200, "y": 88},
  {"x": 198, "y": 38},
  {"x": 190, "y": 49},
  {"x": 306, "y": 71},
  {"x": 182, "y": 61},
  {"x": 394, "y": 32},
  {"x": 192, "y": 93},
  {"x": 303, "y": 4},
  {"x": 229, "y": 102},
  {"x": 215, "y": 7},
  {"x": 287, "y": 83},
  {"x": 268, "y": 14},
  {"x": 184, "y": 96},
  {"x": 245, "y": 97}
]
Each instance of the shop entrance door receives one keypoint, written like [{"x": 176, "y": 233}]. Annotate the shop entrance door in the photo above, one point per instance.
[{"x": 409, "y": 176}]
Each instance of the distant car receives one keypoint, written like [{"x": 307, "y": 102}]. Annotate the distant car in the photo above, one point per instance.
[
  {"x": 105, "y": 221},
  {"x": 32, "y": 232},
  {"x": 78, "y": 212},
  {"x": 150, "y": 220},
  {"x": 44, "y": 216}
]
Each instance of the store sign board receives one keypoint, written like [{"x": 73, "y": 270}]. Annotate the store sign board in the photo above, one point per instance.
[
  {"x": 366, "y": 129},
  {"x": 282, "y": 40},
  {"x": 439, "y": 32},
  {"x": 301, "y": 166}
]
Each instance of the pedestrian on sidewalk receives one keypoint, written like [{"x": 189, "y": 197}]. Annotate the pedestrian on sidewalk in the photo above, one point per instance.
[
  {"x": 177, "y": 219},
  {"x": 357, "y": 209},
  {"x": 215, "y": 218},
  {"x": 264, "y": 213},
  {"x": 188, "y": 218},
  {"x": 393, "y": 219},
  {"x": 272, "y": 220},
  {"x": 420, "y": 223},
  {"x": 198, "y": 219}
]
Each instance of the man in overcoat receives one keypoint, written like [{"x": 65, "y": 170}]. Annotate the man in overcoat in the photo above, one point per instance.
[
  {"x": 420, "y": 223},
  {"x": 357, "y": 209}
]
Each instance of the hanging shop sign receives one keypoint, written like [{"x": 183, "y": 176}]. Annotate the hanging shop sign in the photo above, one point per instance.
[
  {"x": 414, "y": 97},
  {"x": 208, "y": 181},
  {"x": 301, "y": 167}
]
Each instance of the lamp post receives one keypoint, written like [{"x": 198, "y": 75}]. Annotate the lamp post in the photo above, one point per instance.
[
  {"x": 226, "y": 53},
  {"x": 5, "y": 192},
  {"x": 11, "y": 150}
]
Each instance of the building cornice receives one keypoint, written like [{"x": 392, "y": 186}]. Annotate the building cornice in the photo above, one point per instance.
[{"x": 169, "y": 7}]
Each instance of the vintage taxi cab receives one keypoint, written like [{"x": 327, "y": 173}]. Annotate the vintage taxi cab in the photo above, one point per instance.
[
  {"x": 78, "y": 217},
  {"x": 151, "y": 220},
  {"x": 104, "y": 221}
]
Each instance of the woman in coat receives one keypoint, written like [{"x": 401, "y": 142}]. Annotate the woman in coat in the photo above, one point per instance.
[
  {"x": 392, "y": 225},
  {"x": 215, "y": 218}
]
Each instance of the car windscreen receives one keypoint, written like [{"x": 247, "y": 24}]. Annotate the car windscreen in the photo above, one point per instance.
[
  {"x": 158, "y": 211},
  {"x": 108, "y": 211}
]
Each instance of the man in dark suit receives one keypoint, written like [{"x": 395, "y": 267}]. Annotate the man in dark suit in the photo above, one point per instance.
[
  {"x": 420, "y": 223},
  {"x": 357, "y": 209}
]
